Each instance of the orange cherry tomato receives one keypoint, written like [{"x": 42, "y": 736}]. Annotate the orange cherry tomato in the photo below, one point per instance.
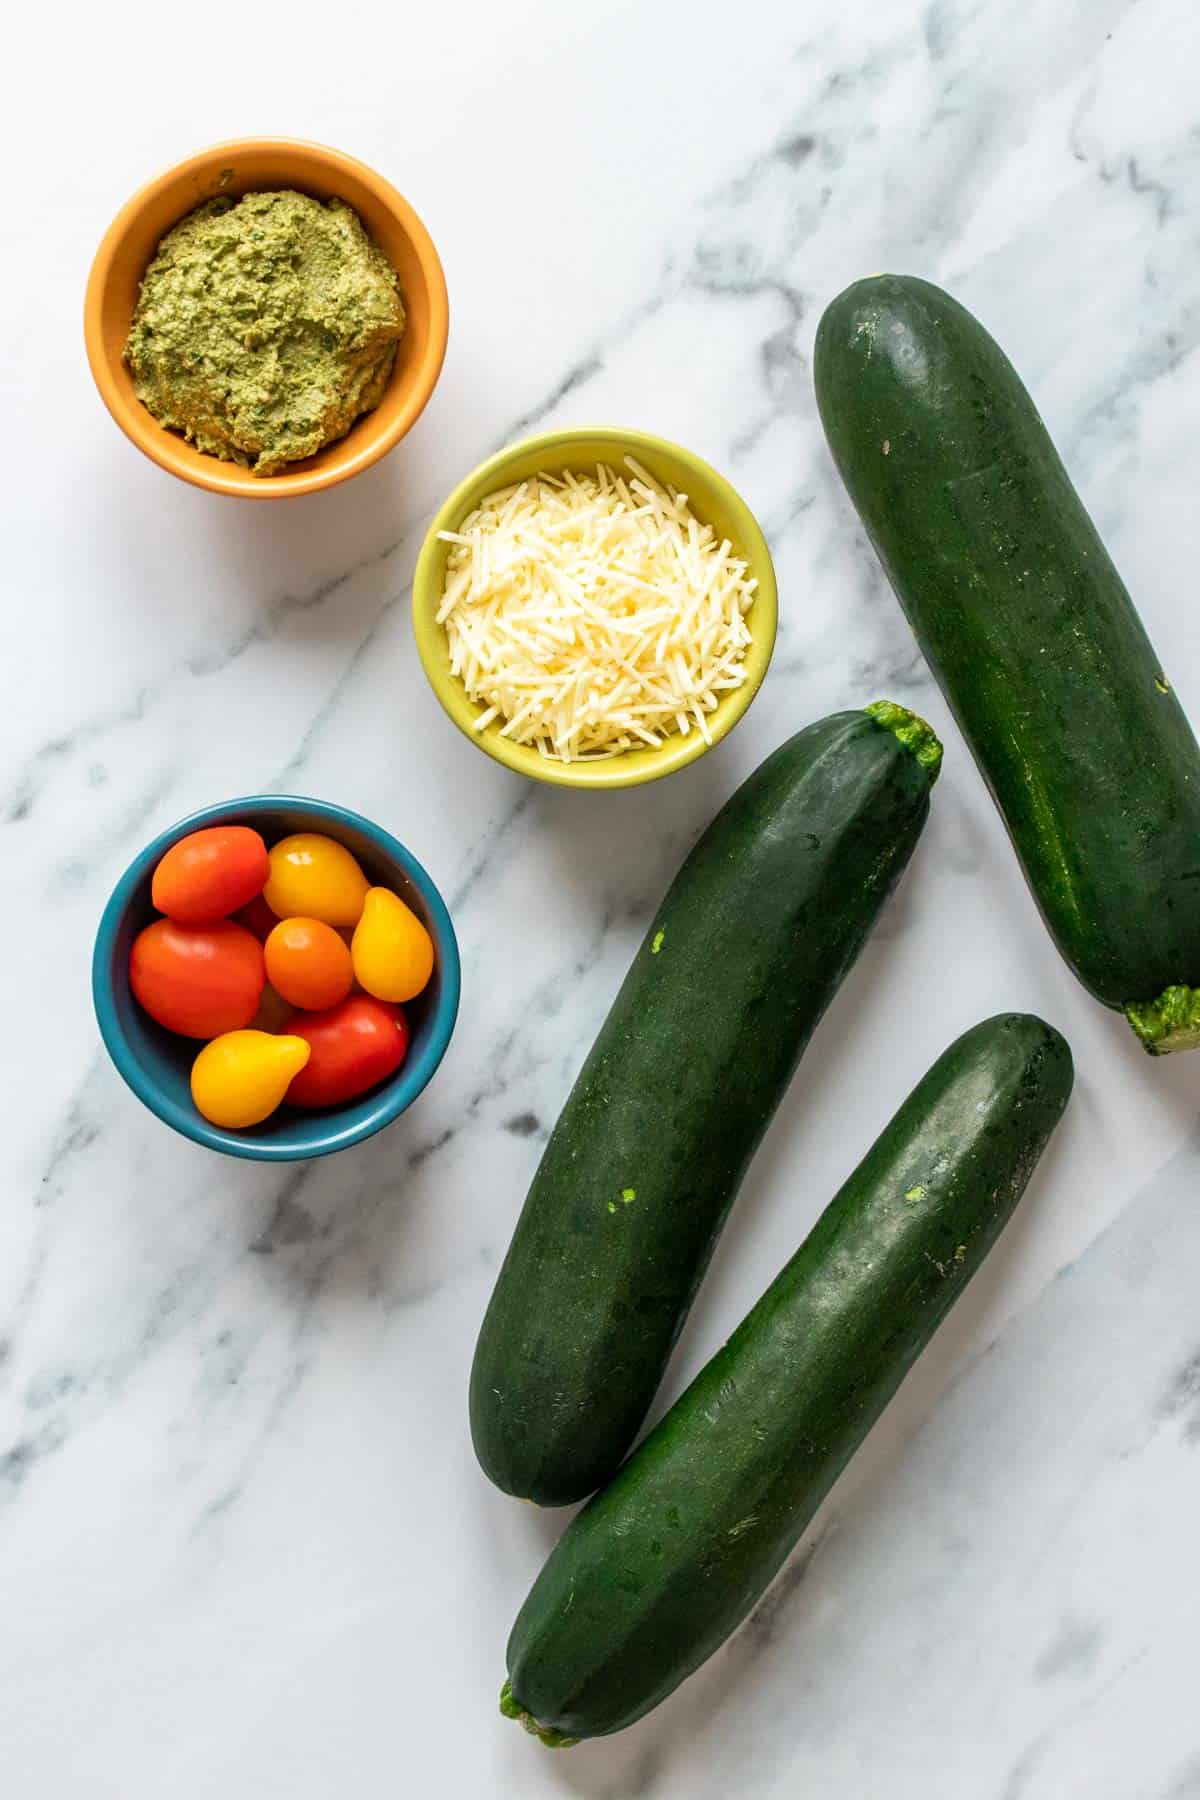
[
  {"x": 392, "y": 951},
  {"x": 314, "y": 877},
  {"x": 198, "y": 980},
  {"x": 257, "y": 917},
  {"x": 354, "y": 1047},
  {"x": 308, "y": 963},
  {"x": 209, "y": 874}
]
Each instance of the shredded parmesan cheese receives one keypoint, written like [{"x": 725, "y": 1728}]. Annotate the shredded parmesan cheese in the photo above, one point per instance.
[{"x": 594, "y": 613}]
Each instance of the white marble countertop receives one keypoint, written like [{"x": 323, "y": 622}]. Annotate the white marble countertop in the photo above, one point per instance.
[{"x": 244, "y": 1547}]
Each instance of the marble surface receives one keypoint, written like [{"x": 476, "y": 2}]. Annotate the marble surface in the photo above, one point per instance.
[{"x": 244, "y": 1547}]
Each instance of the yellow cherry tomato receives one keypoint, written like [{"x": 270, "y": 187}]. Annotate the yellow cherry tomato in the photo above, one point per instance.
[
  {"x": 241, "y": 1077},
  {"x": 315, "y": 877},
  {"x": 392, "y": 951}
]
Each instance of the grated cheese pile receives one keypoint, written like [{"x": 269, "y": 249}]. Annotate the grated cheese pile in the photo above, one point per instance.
[{"x": 594, "y": 613}]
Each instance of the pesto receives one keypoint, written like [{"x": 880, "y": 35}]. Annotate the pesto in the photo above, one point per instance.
[{"x": 264, "y": 327}]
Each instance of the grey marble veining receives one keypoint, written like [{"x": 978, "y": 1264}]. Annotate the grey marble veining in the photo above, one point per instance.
[{"x": 245, "y": 1548}]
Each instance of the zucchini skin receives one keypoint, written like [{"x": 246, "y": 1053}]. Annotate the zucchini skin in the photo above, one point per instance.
[
  {"x": 761, "y": 924},
  {"x": 659, "y": 1568},
  {"x": 1027, "y": 626}
]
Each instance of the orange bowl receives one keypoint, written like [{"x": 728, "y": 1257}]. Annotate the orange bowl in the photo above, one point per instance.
[{"x": 237, "y": 168}]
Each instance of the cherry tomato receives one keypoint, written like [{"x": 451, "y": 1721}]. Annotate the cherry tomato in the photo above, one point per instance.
[
  {"x": 315, "y": 877},
  {"x": 354, "y": 1046},
  {"x": 393, "y": 952},
  {"x": 241, "y": 1077},
  {"x": 308, "y": 963},
  {"x": 257, "y": 917},
  {"x": 346, "y": 933},
  {"x": 209, "y": 874},
  {"x": 198, "y": 980},
  {"x": 273, "y": 1010}
]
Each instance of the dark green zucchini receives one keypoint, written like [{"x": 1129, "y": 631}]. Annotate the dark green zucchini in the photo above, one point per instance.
[
  {"x": 759, "y": 927},
  {"x": 657, "y": 1570},
  {"x": 1032, "y": 636}
]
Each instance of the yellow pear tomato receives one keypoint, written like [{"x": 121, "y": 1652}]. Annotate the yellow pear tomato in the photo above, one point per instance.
[
  {"x": 241, "y": 1077},
  {"x": 315, "y": 877},
  {"x": 391, "y": 950}
]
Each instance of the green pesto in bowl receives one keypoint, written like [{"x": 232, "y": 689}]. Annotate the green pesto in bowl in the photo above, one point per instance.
[{"x": 264, "y": 327}]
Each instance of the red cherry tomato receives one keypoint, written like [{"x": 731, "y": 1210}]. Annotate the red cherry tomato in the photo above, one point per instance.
[
  {"x": 198, "y": 980},
  {"x": 308, "y": 963},
  {"x": 354, "y": 1046},
  {"x": 209, "y": 874},
  {"x": 257, "y": 917}
]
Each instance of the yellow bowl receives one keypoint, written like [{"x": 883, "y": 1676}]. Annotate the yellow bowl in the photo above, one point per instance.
[
  {"x": 246, "y": 166},
  {"x": 714, "y": 503}
]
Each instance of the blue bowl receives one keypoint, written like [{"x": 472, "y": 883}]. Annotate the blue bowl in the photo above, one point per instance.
[{"x": 157, "y": 1064}]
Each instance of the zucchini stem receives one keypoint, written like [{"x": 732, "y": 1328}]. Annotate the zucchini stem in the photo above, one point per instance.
[
  {"x": 1172, "y": 1022},
  {"x": 912, "y": 732}
]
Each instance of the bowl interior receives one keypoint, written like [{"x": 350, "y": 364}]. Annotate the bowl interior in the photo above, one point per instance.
[
  {"x": 157, "y": 1064},
  {"x": 713, "y": 501},
  {"x": 237, "y": 169}
]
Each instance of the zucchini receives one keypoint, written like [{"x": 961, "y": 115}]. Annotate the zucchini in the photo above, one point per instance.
[
  {"x": 653, "y": 1575},
  {"x": 762, "y": 922},
  {"x": 1032, "y": 636}
]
